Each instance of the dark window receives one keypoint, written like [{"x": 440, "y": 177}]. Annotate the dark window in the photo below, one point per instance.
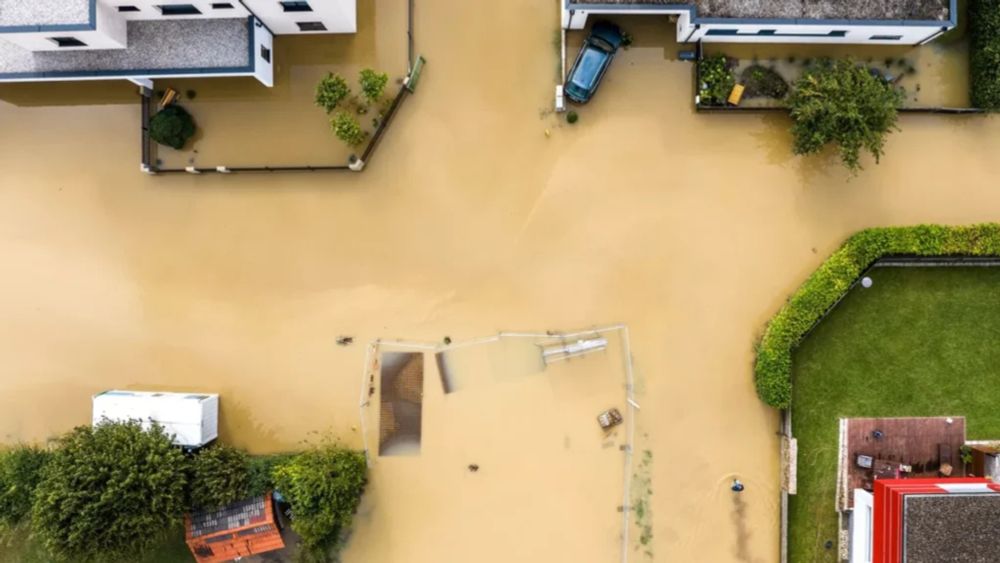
[
  {"x": 296, "y": 6},
  {"x": 265, "y": 53},
  {"x": 840, "y": 33},
  {"x": 128, "y": 9},
  {"x": 68, "y": 42},
  {"x": 179, "y": 10},
  {"x": 222, "y": 6},
  {"x": 311, "y": 26},
  {"x": 885, "y": 37},
  {"x": 722, "y": 32}
]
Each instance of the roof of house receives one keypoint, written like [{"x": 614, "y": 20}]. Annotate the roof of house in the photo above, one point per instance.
[
  {"x": 230, "y": 517},
  {"x": 202, "y": 45},
  {"x": 952, "y": 527},
  {"x": 44, "y": 12},
  {"x": 938, "y": 10}
]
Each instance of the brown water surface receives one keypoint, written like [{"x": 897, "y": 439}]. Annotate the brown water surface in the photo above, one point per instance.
[{"x": 483, "y": 212}]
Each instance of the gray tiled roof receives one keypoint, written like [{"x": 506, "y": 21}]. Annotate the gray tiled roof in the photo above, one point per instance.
[
  {"x": 806, "y": 9},
  {"x": 237, "y": 515},
  {"x": 43, "y": 12},
  {"x": 951, "y": 528},
  {"x": 173, "y": 44}
]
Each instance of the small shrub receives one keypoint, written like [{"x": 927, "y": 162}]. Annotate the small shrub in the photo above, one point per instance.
[
  {"x": 323, "y": 485},
  {"x": 20, "y": 471},
  {"x": 763, "y": 82},
  {"x": 773, "y": 364},
  {"x": 572, "y": 117},
  {"x": 346, "y": 128},
  {"x": 984, "y": 53},
  {"x": 110, "y": 492},
  {"x": 717, "y": 80},
  {"x": 330, "y": 91},
  {"x": 373, "y": 84},
  {"x": 172, "y": 126},
  {"x": 842, "y": 103},
  {"x": 220, "y": 475}
]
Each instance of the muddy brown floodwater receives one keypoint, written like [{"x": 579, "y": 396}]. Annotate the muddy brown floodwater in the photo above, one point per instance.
[{"x": 690, "y": 229}]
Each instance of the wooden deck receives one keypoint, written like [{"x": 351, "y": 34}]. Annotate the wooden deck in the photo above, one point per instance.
[{"x": 921, "y": 443}]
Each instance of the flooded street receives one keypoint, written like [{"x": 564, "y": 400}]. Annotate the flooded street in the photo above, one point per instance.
[{"x": 689, "y": 229}]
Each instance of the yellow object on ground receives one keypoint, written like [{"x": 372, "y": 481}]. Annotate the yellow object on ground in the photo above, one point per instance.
[{"x": 736, "y": 95}]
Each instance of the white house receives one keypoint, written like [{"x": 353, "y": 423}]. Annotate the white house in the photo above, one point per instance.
[
  {"x": 888, "y": 22},
  {"x": 143, "y": 39}
]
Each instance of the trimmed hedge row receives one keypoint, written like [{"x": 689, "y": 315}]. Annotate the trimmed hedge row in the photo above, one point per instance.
[
  {"x": 773, "y": 365},
  {"x": 984, "y": 53}
]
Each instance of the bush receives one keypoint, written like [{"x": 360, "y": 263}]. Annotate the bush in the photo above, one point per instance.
[
  {"x": 716, "y": 80},
  {"x": 261, "y": 472},
  {"x": 984, "y": 53},
  {"x": 172, "y": 126},
  {"x": 346, "y": 127},
  {"x": 822, "y": 290},
  {"x": 20, "y": 471},
  {"x": 330, "y": 91},
  {"x": 572, "y": 117},
  {"x": 761, "y": 81},
  {"x": 323, "y": 485},
  {"x": 220, "y": 475},
  {"x": 373, "y": 84},
  {"x": 109, "y": 492},
  {"x": 841, "y": 102}
]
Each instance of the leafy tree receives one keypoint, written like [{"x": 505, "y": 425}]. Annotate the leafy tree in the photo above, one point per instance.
[
  {"x": 984, "y": 53},
  {"x": 109, "y": 492},
  {"x": 172, "y": 126},
  {"x": 373, "y": 84},
  {"x": 220, "y": 475},
  {"x": 843, "y": 103},
  {"x": 330, "y": 91},
  {"x": 323, "y": 485},
  {"x": 346, "y": 128},
  {"x": 20, "y": 471}
]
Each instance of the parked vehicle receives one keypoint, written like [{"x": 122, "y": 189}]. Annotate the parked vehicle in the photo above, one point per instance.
[
  {"x": 191, "y": 418},
  {"x": 595, "y": 56}
]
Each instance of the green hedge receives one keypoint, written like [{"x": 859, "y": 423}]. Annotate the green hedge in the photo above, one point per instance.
[
  {"x": 773, "y": 366},
  {"x": 984, "y": 53}
]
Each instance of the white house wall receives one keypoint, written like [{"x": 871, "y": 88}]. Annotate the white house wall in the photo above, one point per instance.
[
  {"x": 339, "y": 16},
  {"x": 861, "y": 527},
  {"x": 691, "y": 31},
  {"x": 110, "y": 34},
  {"x": 148, "y": 9},
  {"x": 263, "y": 68}
]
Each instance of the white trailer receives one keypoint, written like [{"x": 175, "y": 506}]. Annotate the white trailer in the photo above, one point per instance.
[{"x": 192, "y": 418}]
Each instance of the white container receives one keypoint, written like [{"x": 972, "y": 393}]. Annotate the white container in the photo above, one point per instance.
[{"x": 192, "y": 418}]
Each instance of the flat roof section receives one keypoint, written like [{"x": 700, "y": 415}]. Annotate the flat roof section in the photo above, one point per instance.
[
  {"x": 918, "y": 10},
  {"x": 154, "y": 47},
  {"x": 951, "y": 527},
  {"x": 17, "y": 13}
]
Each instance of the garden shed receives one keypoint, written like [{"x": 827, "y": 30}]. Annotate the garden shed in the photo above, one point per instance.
[{"x": 240, "y": 529}]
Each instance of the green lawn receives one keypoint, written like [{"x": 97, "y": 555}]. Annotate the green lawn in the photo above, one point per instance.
[{"x": 920, "y": 342}]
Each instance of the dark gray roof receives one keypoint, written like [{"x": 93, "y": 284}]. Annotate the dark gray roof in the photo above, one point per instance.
[
  {"x": 237, "y": 515},
  {"x": 806, "y": 9},
  {"x": 955, "y": 527},
  {"x": 44, "y": 12},
  {"x": 170, "y": 44}
]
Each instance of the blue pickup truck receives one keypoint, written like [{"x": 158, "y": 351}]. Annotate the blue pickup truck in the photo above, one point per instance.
[{"x": 596, "y": 55}]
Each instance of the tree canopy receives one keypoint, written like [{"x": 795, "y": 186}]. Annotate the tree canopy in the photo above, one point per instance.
[{"x": 843, "y": 103}]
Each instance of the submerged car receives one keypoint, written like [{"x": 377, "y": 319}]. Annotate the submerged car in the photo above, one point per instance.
[{"x": 598, "y": 50}]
